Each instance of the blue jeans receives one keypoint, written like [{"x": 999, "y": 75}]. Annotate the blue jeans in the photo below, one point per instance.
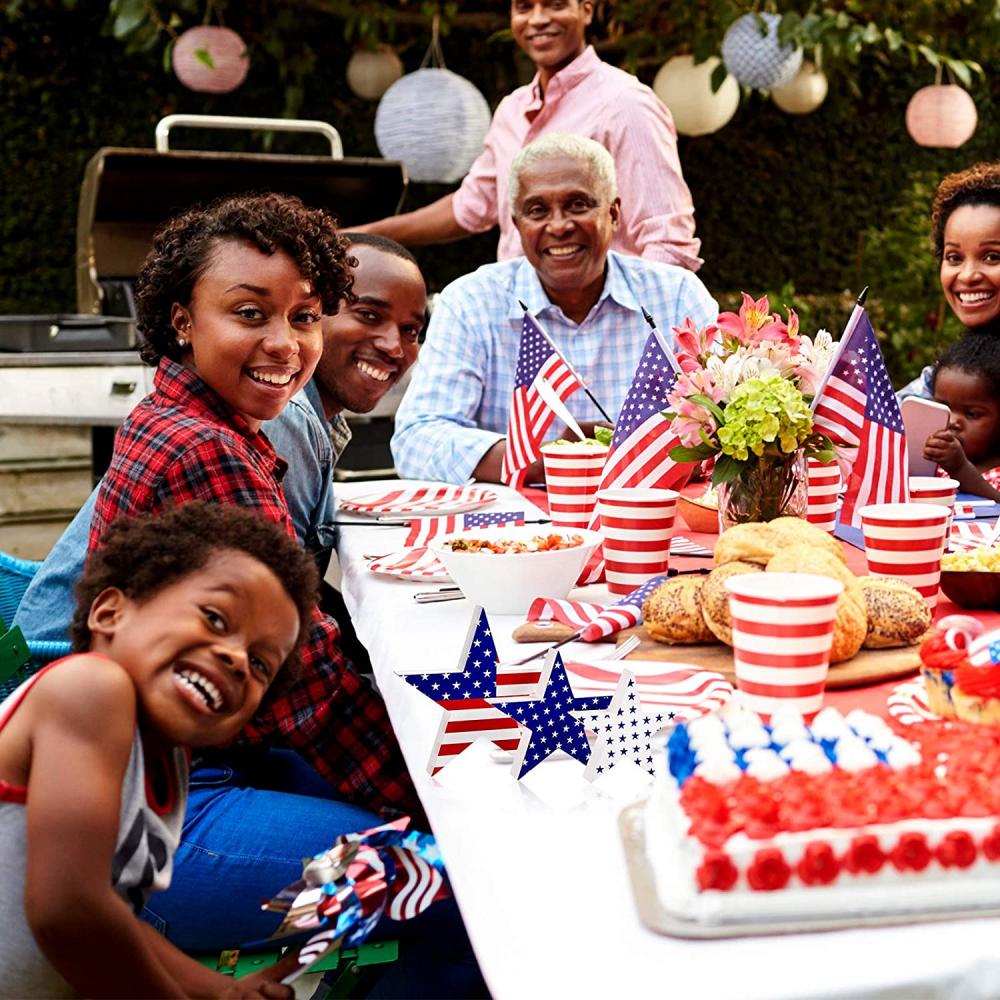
[{"x": 251, "y": 819}]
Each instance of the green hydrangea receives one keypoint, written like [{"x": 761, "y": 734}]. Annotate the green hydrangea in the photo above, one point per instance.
[{"x": 764, "y": 412}]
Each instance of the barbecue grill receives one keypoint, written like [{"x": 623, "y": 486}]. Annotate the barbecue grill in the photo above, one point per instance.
[{"x": 83, "y": 369}]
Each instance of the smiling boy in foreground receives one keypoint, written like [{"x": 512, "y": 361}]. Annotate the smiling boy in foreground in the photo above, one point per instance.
[{"x": 183, "y": 621}]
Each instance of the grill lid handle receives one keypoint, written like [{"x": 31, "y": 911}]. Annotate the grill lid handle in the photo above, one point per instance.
[{"x": 324, "y": 129}]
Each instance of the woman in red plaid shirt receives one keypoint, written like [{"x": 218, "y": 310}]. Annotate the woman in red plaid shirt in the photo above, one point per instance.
[{"x": 229, "y": 303}]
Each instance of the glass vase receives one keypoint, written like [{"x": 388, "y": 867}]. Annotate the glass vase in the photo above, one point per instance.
[{"x": 773, "y": 485}]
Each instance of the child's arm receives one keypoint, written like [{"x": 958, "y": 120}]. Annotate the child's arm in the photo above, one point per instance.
[
  {"x": 83, "y": 719},
  {"x": 944, "y": 448}
]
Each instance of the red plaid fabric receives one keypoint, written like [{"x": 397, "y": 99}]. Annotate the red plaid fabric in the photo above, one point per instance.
[{"x": 182, "y": 442}]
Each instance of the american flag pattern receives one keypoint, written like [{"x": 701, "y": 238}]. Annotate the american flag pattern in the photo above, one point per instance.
[
  {"x": 417, "y": 884},
  {"x": 411, "y": 499},
  {"x": 967, "y": 535},
  {"x": 640, "y": 448},
  {"x": 907, "y": 703},
  {"x": 858, "y": 410},
  {"x": 575, "y": 614},
  {"x": 985, "y": 649},
  {"x": 622, "y": 614},
  {"x": 683, "y": 692},
  {"x": 411, "y": 564},
  {"x": 547, "y": 721},
  {"x": 530, "y": 415},
  {"x": 467, "y": 716},
  {"x": 423, "y": 529},
  {"x": 681, "y": 546}
]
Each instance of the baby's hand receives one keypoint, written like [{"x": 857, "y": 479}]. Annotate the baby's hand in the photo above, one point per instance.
[{"x": 944, "y": 448}]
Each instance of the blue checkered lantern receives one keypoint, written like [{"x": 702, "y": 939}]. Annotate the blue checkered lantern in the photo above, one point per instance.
[{"x": 756, "y": 59}]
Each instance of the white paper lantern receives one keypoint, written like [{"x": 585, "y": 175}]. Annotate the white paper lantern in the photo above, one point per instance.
[
  {"x": 371, "y": 74},
  {"x": 435, "y": 122},
  {"x": 686, "y": 89},
  {"x": 210, "y": 59},
  {"x": 941, "y": 115},
  {"x": 758, "y": 60},
  {"x": 805, "y": 92}
]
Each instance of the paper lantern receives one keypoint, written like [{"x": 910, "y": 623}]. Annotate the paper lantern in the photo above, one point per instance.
[
  {"x": 210, "y": 59},
  {"x": 371, "y": 74},
  {"x": 805, "y": 92},
  {"x": 758, "y": 60},
  {"x": 435, "y": 122},
  {"x": 941, "y": 115},
  {"x": 686, "y": 89}
]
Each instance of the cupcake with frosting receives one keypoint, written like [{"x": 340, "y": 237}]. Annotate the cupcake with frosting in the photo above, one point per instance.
[
  {"x": 976, "y": 689},
  {"x": 941, "y": 655}
]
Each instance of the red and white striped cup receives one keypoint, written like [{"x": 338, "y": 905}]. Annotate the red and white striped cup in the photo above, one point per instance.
[
  {"x": 906, "y": 540},
  {"x": 824, "y": 488},
  {"x": 572, "y": 476},
  {"x": 933, "y": 489},
  {"x": 637, "y": 525},
  {"x": 782, "y": 634}
]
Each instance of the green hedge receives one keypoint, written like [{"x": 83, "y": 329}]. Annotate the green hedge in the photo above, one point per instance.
[{"x": 828, "y": 202}]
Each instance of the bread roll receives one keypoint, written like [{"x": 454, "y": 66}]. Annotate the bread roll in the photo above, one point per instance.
[
  {"x": 759, "y": 542},
  {"x": 849, "y": 629},
  {"x": 672, "y": 612},
  {"x": 897, "y": 614},
  {"x": 715, "y": 598}
]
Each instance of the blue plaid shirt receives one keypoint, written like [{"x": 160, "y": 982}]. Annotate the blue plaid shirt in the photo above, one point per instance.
[{"x": 457, "y": 404}]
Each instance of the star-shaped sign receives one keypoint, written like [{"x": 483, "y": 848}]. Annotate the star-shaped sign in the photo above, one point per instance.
[
  {"x": 547, "y": 720},
  {"x": 625, "y": 731},
  {"x": 463, "y": 694}
]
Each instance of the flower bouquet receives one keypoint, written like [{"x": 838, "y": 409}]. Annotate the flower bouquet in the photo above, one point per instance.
[{"x": 742, "y": 397}]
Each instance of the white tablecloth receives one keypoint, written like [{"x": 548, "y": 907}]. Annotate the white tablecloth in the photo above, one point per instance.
[{"x": 538, "y": 867}]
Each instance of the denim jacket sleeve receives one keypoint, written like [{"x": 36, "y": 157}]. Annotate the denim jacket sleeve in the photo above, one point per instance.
[{"x": 46, "y": 610}]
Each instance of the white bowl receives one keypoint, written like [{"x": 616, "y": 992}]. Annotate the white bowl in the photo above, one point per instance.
[{"x": 507, "y": 584}]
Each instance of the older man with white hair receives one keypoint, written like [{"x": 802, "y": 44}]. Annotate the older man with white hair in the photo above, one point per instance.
[{"x": 452, "y": 422}]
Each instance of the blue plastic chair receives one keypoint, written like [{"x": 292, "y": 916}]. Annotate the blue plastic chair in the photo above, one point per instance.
[{"x": 19, "y": 659}]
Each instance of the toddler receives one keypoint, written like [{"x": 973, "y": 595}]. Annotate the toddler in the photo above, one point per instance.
[
  {"x": 183, "y": 621},
  {"x": 966, "y": 378}
]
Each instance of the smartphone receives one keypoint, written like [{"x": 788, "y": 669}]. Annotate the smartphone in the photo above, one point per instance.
[{"x": 921, "y": 419}]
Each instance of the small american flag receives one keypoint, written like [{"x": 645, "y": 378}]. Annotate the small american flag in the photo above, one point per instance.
[
  {"x": 467, "y": 716},
  {"x": 640, "y": 448},
  {"x": 857, "y": 409},
  {"x": 530, "y": 414},
  {"x": 423, "y": 529},
  {"x": 639, "y": 454},
  {"x": 985, "y": 650}
]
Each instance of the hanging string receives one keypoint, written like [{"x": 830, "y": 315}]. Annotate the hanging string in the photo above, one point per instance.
[{"x": 434, "y": 56}]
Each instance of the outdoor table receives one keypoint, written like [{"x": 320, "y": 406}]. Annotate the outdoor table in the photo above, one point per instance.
[{"x": 538, "y": 867}]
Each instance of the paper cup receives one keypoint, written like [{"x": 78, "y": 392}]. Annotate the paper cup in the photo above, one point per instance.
[
  {"x": 637, "y": 525},
  {"x": 824, "y": 489},
  {"x": 906, "y": 540},
  {"x": 933, "y": 489},
  {"x": 572, "y": 476},
  {"x": 782, "y": 634}
]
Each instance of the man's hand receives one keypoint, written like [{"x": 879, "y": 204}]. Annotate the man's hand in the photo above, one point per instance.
[
  {"x": 944, "y": 448},
  {"x": 266, "y": 983},
  {"x": 491, "y": 464}
]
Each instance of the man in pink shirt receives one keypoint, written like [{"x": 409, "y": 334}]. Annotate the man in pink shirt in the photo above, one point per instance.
[{"x": 573, "y": 91}]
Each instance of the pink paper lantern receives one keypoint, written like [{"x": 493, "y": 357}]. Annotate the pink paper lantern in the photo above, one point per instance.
[
  {"x": 941, "y": 115},
  {"x": 210, "y": 59}
]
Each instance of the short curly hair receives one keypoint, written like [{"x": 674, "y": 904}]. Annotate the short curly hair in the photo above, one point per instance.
[
  {"x": 978, "y": 185},
  {"x": 183, "y": 247},
  {"x": 142, "y": 555},
  {"x": 977, "y": 353}
]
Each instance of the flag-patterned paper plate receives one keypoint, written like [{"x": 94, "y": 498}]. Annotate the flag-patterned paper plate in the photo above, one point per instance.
[
  {"x": 908, "y": 703},
  {"x": 685, "y": 693},
  {"x": 411, "y": 564},
  {"x": 420, "y": 500}
]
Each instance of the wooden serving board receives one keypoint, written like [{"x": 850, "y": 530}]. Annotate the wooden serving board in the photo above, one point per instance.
[{"x": 869, "y": 666}]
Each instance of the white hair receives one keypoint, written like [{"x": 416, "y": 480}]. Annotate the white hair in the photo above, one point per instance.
[{"x": 598, "y": 160}]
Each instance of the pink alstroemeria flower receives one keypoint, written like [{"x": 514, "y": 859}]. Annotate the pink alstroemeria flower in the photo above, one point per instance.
[
  {"x": 754, "y": 323},
  {"x": 691, "y": 418},
  {"x": 694, "y": 345}
]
